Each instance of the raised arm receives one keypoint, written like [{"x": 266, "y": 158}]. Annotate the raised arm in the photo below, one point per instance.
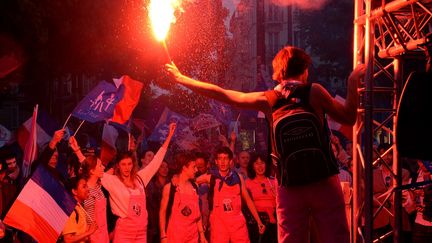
[
  {"x": 347, "y": 112},
  {"x": 150, "y": 170},
  {"x": 73, "y": 144},
  {"x": 253, "y": 100}
]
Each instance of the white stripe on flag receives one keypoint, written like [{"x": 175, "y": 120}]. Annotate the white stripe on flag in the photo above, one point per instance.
[
  {"x": 43, "y": 137},
  {"x": 41, "y": 202}
]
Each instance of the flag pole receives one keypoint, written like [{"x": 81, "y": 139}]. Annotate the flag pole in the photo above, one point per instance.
[
  {"x": 64, "y": 125},
  {"x": 237, "y": 120},
  {"x": 78, "y": 128}
]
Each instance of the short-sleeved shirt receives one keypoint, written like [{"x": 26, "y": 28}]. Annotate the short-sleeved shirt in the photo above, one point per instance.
[{"x": 77, "y": 222}]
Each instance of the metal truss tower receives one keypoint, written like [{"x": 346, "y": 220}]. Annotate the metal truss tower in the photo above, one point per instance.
[{"x": 386, "y": 35}]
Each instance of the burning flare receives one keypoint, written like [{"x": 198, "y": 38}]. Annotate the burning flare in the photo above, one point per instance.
[{"x": 161, "y": 14}]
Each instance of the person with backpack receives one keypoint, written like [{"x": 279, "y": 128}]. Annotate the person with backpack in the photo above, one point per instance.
[
  {"x": 300, "y": 146},
  {"x": 179, "y": 215},
  {"x": 226, "y": 191}
]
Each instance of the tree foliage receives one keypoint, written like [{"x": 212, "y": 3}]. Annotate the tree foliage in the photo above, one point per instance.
[{"x": 328, "y": 33}]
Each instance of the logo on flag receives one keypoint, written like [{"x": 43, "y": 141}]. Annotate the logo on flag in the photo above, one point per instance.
[
  {"x": 42, "y": 208},
  {"x": 113, "y": 101},
  {"x": 99, "y": 104}
]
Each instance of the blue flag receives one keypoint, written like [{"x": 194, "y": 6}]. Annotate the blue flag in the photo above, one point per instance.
[
  {"x": 222, "y": 112},
  {"x": 99, "y": 104},
  {"x": 160, "y": 132}
]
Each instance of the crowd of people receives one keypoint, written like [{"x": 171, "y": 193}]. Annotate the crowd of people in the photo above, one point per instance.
[
  {"x": 128, "y": 202},
  {"x": 237, "y": 196}
]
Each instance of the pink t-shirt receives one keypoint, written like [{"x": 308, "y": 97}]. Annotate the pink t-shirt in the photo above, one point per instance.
[{"x": 263, "y": 193}]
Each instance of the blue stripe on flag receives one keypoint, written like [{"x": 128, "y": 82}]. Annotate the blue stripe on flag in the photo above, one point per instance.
[{"x": 56, "y": 190}]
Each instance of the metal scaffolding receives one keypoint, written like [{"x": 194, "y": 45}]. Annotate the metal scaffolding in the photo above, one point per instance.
[{"x": 385, "y": 33}]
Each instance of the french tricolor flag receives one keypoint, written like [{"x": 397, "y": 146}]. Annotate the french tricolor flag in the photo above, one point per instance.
[
  {"x": 42, "y": 207},
  {"x": 108, "y": 144},
  {"x": 45, "y": 128}
]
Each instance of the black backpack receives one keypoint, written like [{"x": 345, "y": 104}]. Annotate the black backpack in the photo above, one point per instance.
[{"x": 300, "y": 142}]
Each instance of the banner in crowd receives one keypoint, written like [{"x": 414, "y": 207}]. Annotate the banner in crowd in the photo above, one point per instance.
[
  {"x": 42, "y": 208},
  {"x": 108, "y": 144},
  {"x": 113, "y": 101},
  {"x": 221, "y": 111},
  {"x": 132, "y": 93},
  {"x": 184, "y": 137},
  {"x": 31, "y": 148},
  {"x": 5, "y": 135},
  {"x": 45, "y": 128},
  {"x": 203, "y": 122},
  {"x": 160, "y": 132}
]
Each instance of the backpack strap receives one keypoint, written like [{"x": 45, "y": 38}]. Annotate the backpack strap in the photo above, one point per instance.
[
  {"x": 240, "y": 183},
  {"x": 76, "y": 215},
  {"x": 210, "y": 194},
  {"x": 194, "y": 185},
  {"x": 172, "y": 192}
]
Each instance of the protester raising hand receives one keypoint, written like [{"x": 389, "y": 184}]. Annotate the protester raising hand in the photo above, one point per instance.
[{"x": 57, "y": 137}]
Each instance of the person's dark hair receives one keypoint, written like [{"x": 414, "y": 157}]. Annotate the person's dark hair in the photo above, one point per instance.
[
  {"x": 254, "y": 157},
  {"x": 87, "y": 165},
  {"x": 182, "y": 159},
  {"x": 72, "y": 183},
  {"x": 9, "y": 155},
  {"x": 126, "y": 155},
  {"x": 144, "y": 152},
  {"x": 224, "y": 150},
  {"x": 201, "y": 155},
  {"x": 290, "y": 62}
]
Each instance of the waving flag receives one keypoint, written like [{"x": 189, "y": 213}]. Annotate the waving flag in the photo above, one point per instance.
[
  {"x": 5, "y": 136},
  {"x": 108, "y": 144},
  {"x": 45, "y": 128},
  {"x": 222, "y": 112},
  {"x": 203, "y": 122},
  {"x": 132, "y": 93},
  {"x": 42, "y": 207},
  {"x": 160, "y": 132},
  {"x": 99, "y": 104},
  {"x": 30, "y": 151},
  {"x": 110, "y": 101}
]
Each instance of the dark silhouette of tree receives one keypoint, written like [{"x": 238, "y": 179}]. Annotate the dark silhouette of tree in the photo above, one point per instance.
[{"x": 328, "y": 33}]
